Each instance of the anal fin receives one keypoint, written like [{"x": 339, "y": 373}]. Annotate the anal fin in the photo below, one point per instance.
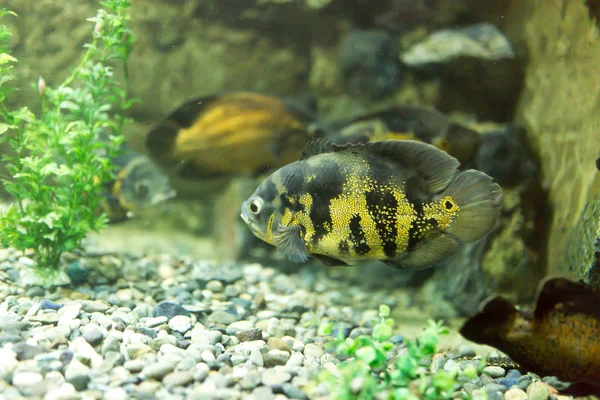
[
  {"x": 430, "y": 251},
  {"x": 330, "y": 261}
]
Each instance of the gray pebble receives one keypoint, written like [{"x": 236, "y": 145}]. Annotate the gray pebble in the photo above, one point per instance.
[
  {"x": 169, "y": 309},
  {"x": 438, "y": 363},
  {"x": 26, "y": 351},
  {"x": 178, "y": 378},
  {"x": 262, "y": 393},
  {"x": 93, "y": 336},
  {"x": 214, "y": 286},
  {"x": 180, "y": 323},
  {"x": 275, "y": 376},
  {"x": 295, "y": 360},
  {"x": 494, "y": 387},
  {"x": 277, "y": 344},
  {"x": 313, "y": 351},
  {"x": 156, "y": 321},
  {"x": 555, "y": 383},
  {"x": 515, "y": 394},
  {"x": 208, "y": 357},
  {"x": 134, "y": 365},
  {"x": 49, "y": 305},
  {"x": 249, "y": 334},
  {"x": 451, "y": 365},
  {"x": 141, "y": 311},
  {"x": 276, "y": 357},
  {"x": 537, "y": 391},
  {"x": 201, "y": 372},
  {"x": 157, "y": 370},
  {"x": 256, "y": 358},
  {"x": 494, "y": 371},
  {"x": 466, "y": 351},
  {"x": 470, "y": 387},
  {"x": 293, "y": 392},
  {"x": 48, "y": 318},
  {"x": 77, "y": 375},
  {"x": 237, "y": 359},
  {"x": 251, "y": 380},
  {"x": 92, "y": 306},
  {"x": 35, "y": 291},
  {"x": 222, "y": 317},
  {"x": 27, "y": 381}
]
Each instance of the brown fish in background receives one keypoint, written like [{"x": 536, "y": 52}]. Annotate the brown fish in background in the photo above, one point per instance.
[
  {"x": 560, "y": 337},
  {"x": 229, "y": 134},
  {"x": 412, "y": 123}
]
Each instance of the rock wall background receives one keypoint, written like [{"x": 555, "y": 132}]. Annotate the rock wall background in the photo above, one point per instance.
[{"x": 560, "y": 108}]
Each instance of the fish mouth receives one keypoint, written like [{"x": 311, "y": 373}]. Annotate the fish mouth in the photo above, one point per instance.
[
  {"x": 159, "y": 198},
  {"x": 247, "y": 217},
  {"x": 244, "y": 214}
]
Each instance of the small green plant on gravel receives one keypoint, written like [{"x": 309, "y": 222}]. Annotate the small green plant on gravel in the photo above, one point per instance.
[
  {"x": 62, "y": 156},
  {"x": 367, "y": 373}
]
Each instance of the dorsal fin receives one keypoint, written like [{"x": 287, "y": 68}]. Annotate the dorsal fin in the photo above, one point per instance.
[
  {"x": 434, "y": 166},
  {"x": 161, "y": 138},
  {"x": 317, "y": 146},
  {"x": 186, "y": 114},
  {"x": 574, "y": 297}
]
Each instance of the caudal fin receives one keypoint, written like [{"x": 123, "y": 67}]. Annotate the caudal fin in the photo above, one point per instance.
[{"x": 479, "y": 200}]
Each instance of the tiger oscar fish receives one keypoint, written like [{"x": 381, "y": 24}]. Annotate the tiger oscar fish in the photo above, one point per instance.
[{"x": 401, "y": 202}]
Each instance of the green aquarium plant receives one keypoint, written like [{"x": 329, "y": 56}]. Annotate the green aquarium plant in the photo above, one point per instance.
[
  {"x": 62, "y": 156},
  {"x": 367, "y": 373}
]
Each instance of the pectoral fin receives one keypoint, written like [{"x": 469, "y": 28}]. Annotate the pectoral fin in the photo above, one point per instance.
[{"x": 288, "y": 239}]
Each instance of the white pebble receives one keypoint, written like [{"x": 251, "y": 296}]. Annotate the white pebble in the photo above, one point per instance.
[
  {"x": 84, "y": 351},
  {"x": 180, "y": 323}
]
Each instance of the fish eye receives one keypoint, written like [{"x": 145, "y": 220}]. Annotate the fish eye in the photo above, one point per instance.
[
  {"x": 256, "y": 206},
  {"x": 142, "y": 189},
  {"x": 449, "y": 204}
]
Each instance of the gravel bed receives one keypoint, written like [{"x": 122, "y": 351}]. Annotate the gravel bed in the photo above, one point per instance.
[{"x": 169, "y": 328}]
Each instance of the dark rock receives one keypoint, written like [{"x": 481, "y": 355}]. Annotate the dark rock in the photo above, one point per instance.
[
  {"x": 9, "y": 338},
  {"x": 169, "y": 310},
  {"x": 293, "y": 392},
  {"x": 205, "y": 272},
  {"x": 345, "y": 331},
  {"x": 513, "y": 374},
  {"x": 15, "y": 327},
  {"x": 151, "y": 333},
  {"x": 369, "y": 63},
  {"x": 14, "y": 274},
  {"x": 507, "y": 382},
  {"x": 241, "y": 302},
  {"x": 79, "y": 382},
  {"x": 49, "y": 305},
  {"x": 396, "y": 339},
  {"x": 66, "y": 357},
  {"x": 93, "y": 336},
  {"x": 77, "y": 273},
  {"x": 26, "y": 351},
  {"x": 555, "y": 383},
  {"x": 504, "y": 156},
  {"x": 35, "y": 291},
  {"x": 249, "y": 335}
]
